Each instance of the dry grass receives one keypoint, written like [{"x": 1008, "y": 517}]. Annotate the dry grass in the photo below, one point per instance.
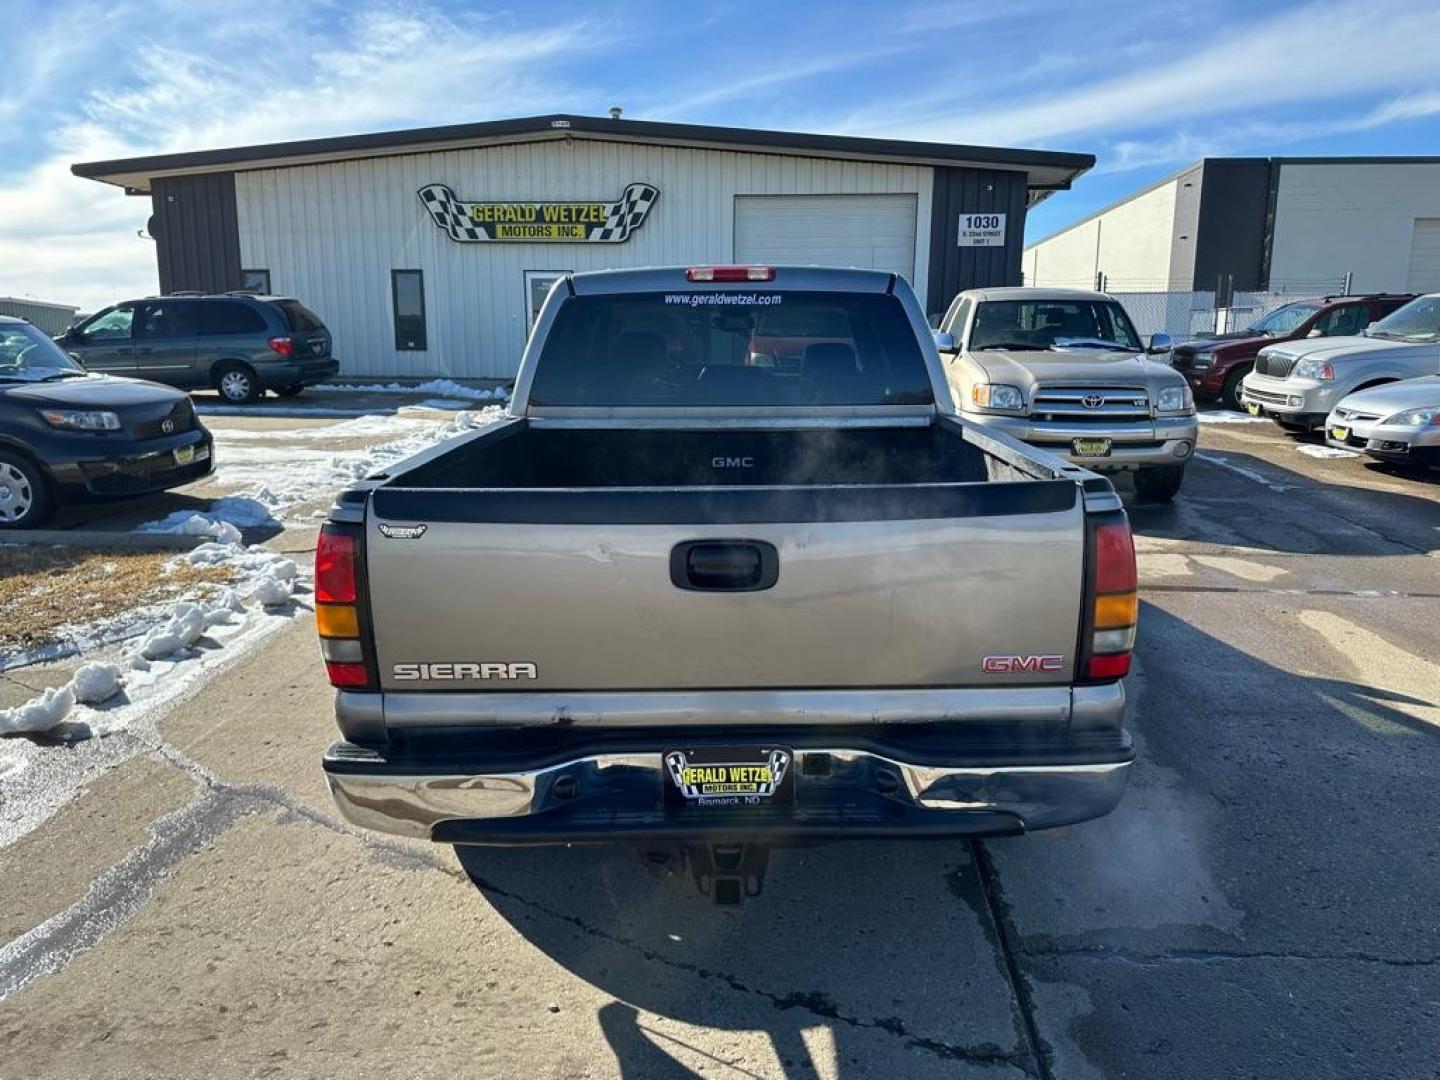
[{"x": 44, "y": 588}]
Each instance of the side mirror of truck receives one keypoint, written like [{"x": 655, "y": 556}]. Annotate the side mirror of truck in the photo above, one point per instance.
[
  {"x": 1160, "y": 343},
  {"x": 945, "y": 341}
]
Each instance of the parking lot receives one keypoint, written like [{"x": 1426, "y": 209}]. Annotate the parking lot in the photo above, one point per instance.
[{"x": 1261, "y": 904}]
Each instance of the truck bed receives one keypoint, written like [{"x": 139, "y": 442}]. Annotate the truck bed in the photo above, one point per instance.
[{"x": 573, "y": 551}]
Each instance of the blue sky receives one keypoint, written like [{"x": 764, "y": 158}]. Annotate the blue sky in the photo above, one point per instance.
[{"x": 1145, "y": 87}]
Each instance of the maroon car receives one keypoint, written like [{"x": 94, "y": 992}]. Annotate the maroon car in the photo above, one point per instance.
[{"x": 1214, "y": 367}]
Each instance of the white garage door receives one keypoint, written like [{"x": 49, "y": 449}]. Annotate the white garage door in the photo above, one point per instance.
[
  {"x": 1425, "y": 256},
  {"x": 872, "y": 231}
]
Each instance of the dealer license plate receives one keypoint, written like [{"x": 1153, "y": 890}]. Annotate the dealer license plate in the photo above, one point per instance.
[
  {"x": 1090, "y": 447},
  {"x": 184, "y": 455},
  {"x": 1253, "y": 408},
  {"x": 1340, "y": 434},
  {"x": 729, "y": 776}
]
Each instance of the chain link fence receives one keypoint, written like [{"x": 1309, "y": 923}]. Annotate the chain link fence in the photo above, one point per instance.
[{"x": 1160, "y": 307}]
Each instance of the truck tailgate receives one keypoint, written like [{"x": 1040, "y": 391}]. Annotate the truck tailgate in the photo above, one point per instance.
[{"x": 896, "y": 587}]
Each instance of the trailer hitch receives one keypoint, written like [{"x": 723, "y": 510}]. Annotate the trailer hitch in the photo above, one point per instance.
[{"x": 728, "y": 873}]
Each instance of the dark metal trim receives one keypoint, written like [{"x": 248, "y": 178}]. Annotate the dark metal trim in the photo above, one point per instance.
[
  {"x": 637, "y": 130},
  {"x": 721, "y": 505}
]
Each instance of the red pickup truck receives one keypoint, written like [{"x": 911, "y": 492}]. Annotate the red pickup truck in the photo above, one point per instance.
[{"x": 1215, "y": 367}]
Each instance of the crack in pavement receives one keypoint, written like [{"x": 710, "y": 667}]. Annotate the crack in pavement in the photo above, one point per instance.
[{"x": 1205, "y": 956}]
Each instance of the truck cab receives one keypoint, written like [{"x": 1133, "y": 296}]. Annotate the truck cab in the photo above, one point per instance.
[{"x": 1065, "y": 370}]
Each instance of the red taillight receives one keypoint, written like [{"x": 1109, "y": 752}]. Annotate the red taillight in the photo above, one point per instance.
[
  {"x": 335, "y": 568},
  {"x": 1110, "y": 666},
  {"x": 730, "y": 273},
  {"x": 347, "y": 674},
  {"x": 1110, "y": 625},
  {"x": 282, "y": 345},
  {"x": 1114, "y": 558}
]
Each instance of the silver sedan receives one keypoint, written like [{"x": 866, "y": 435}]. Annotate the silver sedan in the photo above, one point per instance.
[{"x": 1398, "y": 422}]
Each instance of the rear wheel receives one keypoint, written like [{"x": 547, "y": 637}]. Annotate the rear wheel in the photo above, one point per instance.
[
  {"x": 1230, "y": 395},
  {"x": 289, "y": 391},
  {"x": 1160, "y": 483},
  {"x": 237, "y": 384},
  {"x": 24, "y": 496}
]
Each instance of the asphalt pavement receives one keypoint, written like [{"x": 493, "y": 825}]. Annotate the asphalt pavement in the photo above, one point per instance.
[{"x": 1262, "y": 904}]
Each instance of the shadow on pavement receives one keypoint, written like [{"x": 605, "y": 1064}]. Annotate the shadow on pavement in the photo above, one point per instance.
[
  {"x": 863, "y": 949},
  {"x": 1236, "y": 498}
]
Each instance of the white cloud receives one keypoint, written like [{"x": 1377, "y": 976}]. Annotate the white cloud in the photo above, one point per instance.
[
  {"x": 1314, "y": 53},
  {"x": 383, "y": 66}
]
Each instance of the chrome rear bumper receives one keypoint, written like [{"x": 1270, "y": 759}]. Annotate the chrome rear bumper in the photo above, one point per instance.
[{"x": 839, "y": 792}]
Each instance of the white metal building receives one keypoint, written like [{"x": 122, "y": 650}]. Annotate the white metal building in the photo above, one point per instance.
[
  {"x": 52, "y": 318},
  {"x": 427, "y": 252},
  {"x": 1243, "y": 224}
]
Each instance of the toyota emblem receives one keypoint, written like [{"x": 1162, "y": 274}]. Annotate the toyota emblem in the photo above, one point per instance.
[
  {"x": 1093, "y": 401},
  {"x": 167, "y": 425}
]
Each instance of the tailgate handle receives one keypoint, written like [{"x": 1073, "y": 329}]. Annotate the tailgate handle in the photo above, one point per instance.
[{"x": 724, "y": 565}]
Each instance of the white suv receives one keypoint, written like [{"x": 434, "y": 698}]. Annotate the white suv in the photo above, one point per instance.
[{"x": 1297, "y": 384}]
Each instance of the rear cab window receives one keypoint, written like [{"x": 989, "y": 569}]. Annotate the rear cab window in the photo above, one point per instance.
[
  {"x": 731, "y": 349},
  {"x": 298, "y": 317}
]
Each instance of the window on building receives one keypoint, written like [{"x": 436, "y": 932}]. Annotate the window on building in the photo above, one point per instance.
[
  {"x": 228, "y": 317},
  {"x": 256, "y": 281},
  {"x": 407, "y": 292},
  {"x": 537, "y": 287}
]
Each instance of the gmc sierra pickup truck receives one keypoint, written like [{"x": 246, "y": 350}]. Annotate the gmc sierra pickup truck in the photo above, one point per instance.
[
  {"x": 1064, "y": 369},
  {"x": 730, "y": 573}
]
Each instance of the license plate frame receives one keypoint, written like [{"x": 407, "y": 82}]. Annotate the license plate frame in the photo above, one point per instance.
[
  {"x": 1253, "y": 408},
  {"x": 1340, "y": 434},
  {"x": 1092, "y": 448},
  {"x": 184, "y": 455},
  {"x": 706, "y": 777}
]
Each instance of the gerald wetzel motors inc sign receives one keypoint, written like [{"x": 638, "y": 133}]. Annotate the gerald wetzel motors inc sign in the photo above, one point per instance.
[{"x": 544, "y": 222}]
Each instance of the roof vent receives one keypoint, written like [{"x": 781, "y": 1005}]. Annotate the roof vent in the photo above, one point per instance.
[{"x": 615, "y": 112}]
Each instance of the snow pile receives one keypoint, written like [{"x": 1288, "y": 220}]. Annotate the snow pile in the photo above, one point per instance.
[
  {"x": 39, "y": 714},
  {"x": 443, "y": 388},
  {"x": 1326, "y": 452},
  {"x": 1228, "y": 416},
  {"x": 91, "y": 684},
  {"x": 95, "y": 682},
  {"x": 191, "y": 523},
  {"x": 275, "y": 585}
]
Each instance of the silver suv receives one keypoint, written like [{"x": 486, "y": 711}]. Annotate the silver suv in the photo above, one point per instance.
[
  {"x": 237, "y": 343},
  {"x": 1297, "y": 384}
]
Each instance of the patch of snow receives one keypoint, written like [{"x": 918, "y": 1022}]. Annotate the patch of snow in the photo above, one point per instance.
[
  {"x": 1326, "y": 452},
  {"x": 190, "y": 523},
  {"x": 95, "y": 682},
  {"x": 446, "y": 388},
  {"x": 443, "y": 403},
  {"x": 39, "y": 714},
  {"x": 1229, "y": 416}
]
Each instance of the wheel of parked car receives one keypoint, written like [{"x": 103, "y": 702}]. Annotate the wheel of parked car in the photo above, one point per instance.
[
  {"x": 1230, "y": 393},
  {"x": 24, "y": 498},
  {"x": 237, "y": 384},
  {"x": 1159, "y": 484},
  {"x": 289, "y": 391}
]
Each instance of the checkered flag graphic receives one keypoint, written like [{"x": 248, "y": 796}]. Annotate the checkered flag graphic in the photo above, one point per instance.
[
  {"x": 449, "y": 213},
  {"x": 627, "y": 214}
]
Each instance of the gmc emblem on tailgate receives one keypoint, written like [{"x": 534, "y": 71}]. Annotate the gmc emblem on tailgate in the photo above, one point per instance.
[{"x": 1019, "y": 665}]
